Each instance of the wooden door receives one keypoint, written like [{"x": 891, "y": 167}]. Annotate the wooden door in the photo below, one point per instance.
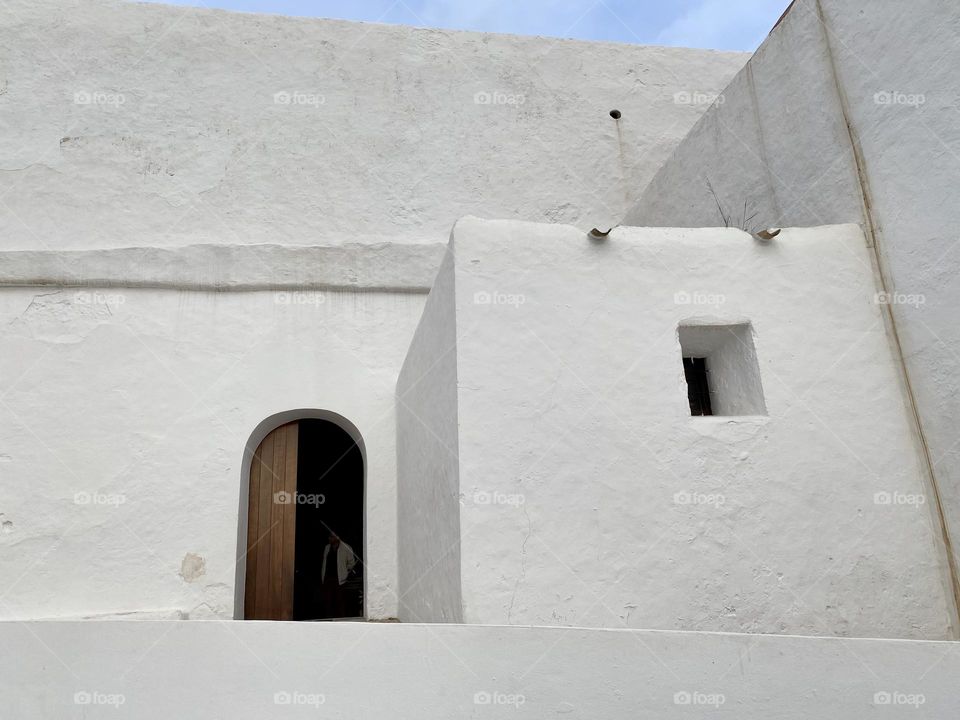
[{"x": 271, "y": 527}]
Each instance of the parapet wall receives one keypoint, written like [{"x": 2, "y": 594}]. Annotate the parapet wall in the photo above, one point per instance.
[
  {"x": 590, "y": 496},
  {"x": 159, "y": 670}
]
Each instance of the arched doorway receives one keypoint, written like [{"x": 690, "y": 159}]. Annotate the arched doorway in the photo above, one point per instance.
[{"x": 303, "y": 541}]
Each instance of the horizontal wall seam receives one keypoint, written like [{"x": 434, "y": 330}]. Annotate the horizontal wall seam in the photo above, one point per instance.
[{"x": 385, "y": 267}]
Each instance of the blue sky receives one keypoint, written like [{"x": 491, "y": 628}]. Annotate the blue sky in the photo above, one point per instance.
[{"x": 719, "y": 24}]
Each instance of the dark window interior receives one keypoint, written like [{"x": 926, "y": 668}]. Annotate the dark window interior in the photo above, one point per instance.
[
  {"x": 698, "y": 387},
  {"x": 329, "y": 464}
]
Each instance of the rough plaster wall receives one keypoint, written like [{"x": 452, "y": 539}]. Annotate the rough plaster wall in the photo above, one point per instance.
[
  {"x": 123, "y": 420},
  {"x": 591, "y": 497},
  {"x": 817, "y": 77},
  {"x": 422, "y": 672},
  {"x": 428, "y": 481},
  {"x": 911, "y": 168},
  {"x": 183, "y": 141},
  {"x": 776, "y": 141}
]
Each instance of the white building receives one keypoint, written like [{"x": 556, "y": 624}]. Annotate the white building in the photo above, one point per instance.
[{"x": 248, "y": 299}]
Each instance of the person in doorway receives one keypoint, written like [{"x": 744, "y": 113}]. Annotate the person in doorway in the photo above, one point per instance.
[{"x": 338, "y": 561}]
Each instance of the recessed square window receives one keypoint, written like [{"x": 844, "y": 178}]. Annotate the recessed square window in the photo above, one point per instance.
[{"x": 721, "y": 369}]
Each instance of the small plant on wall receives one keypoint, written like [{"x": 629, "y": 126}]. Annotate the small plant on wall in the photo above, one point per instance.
[{"x": 728, "y": 217}]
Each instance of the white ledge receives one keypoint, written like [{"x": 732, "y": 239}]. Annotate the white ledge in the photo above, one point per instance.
[{"x": 387, "y": 267}]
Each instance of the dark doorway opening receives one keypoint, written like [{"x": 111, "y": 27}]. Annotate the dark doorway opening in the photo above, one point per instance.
[
  {"x": 330, "y": 479},
  {"x": 698, "y": 386}
]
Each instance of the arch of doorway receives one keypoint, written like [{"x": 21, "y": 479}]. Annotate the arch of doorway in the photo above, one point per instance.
[{"x": 264, "y": 428}]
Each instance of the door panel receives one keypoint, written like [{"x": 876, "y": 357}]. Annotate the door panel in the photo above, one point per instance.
[{"x": 271, "y": 527}]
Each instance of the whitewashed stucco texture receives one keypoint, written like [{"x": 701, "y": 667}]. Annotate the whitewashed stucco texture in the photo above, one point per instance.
[
  {"x": 124, "y": 415},
  {"x": 141, "y": 124},
  {"x": 834, "y": 76},
  {"x": 774, "y": 148},
  {"x": 160, "y": 670},
  {"x": 590, "y": 496},
  {"x": 428, "y": 485}
]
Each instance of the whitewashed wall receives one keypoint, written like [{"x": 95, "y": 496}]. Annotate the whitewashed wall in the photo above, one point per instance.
[
  {"x": 834, "y": 76},
  {"x": 428, "y": 482},
  {"x": 138, "y": 124},
  {"x": 590, "y": 497},
  {"x": 775, "y": 139},
  {"x": 123, "y": 420},
  {"x": 159, "y": 670}
]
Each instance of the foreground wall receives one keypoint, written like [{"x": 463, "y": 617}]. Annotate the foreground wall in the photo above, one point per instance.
[
  {"x": 128, "y": 123},
  {"x": 849, "y": 113},
  {"x": 252, "y": 670},
  {"x": 124, "y": 415},
  {"x": 589, "y": 494}
]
